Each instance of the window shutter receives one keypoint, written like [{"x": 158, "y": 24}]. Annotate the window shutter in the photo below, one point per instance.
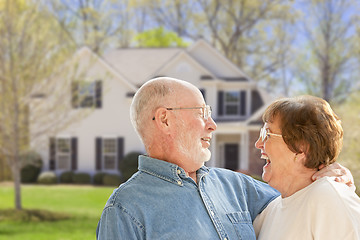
[
  {"x": 52, "y": 153},
  {"x": 203, "y": 92},
  {"x": 220, "y": 101},
  {"x": 74, "y": 154},
  {"x": 98, "y": 152},
  {"x": 120, "y": 150},
  {"x": 256, "y": 101},
  {"x": 98, "y": 94},
  {"x": 75, "y": 94},
  {"x": 242, "y": 103}
]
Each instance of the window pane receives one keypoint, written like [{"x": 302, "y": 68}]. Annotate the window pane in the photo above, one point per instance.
[
  {"x": 63, "y": 145},
  {"x": 231, "y": 110},
  {"x": 109, "y": 162},
  {"x": 87, "y": 94},
  {"x": 109, "y": 146},
  {"x": 232, "y": 97},
  {"x": 87, "y": 101},
  {"x": 63, "y": 162}
]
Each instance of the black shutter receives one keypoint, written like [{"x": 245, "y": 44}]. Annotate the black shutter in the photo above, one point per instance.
[
  {"x": 52, "y": 153},
  {"x": 256, "y": 101},
  {"x": 75, "y": 94},
  {"x": 242, "y": 103},
  {"x": 74, "y": 155},
  {"x": 220, "y": 101},
  {"x": 98, "y": 94},
  {"x": 98, "y": 152},
  {"x": 120, "y": 150},
  {"x": 203, "y": 92}
]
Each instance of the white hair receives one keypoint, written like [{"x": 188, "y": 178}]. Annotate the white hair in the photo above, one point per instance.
[{"x": 152, "y": 95}]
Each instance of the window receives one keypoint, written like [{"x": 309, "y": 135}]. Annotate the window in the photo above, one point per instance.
[
  {"x": 87, "y": 94},
  {"x": 232, "y": 104},
  {"x": 109, "y": 153},
  {"x": 63, "y": 153}
]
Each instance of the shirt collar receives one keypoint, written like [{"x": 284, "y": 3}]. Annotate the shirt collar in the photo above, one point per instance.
[{"x": 165, "y": 170}]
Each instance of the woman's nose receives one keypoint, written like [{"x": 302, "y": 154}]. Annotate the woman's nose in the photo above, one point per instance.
[{"x": 259, "y": 143}]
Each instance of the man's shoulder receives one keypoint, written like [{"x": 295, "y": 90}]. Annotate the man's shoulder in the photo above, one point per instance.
[
  {"x": 227, "y": 175},
  {"x": 127, "y": 190}
]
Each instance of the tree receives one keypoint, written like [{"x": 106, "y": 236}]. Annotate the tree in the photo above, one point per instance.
[
  {"x": 97, "y": 24},
  {"x": 158, "y": 37},
  {"x": 33, "y": 49},
  {"x": 246, "y": 32},
  {"x": 349, "y": 113},
  {"x": 327, "y": 65}
]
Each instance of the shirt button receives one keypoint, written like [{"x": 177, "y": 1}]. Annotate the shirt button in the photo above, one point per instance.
[
  {"x": 212, "y": 213},
  {"x": 179, "y": 182},
  {"x": 178, "y": 171},
  {"x": 225, "y": 238}
]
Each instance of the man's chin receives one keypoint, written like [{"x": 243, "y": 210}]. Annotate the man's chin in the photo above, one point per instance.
[{"x": 207, "y": 155}]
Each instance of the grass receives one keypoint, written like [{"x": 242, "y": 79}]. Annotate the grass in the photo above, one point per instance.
[{"x": 80, "y": 208}]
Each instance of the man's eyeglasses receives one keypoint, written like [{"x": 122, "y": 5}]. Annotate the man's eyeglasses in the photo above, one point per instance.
[
  {"x": 205, "y": 111},
  {"x": 264, "y": 134}
]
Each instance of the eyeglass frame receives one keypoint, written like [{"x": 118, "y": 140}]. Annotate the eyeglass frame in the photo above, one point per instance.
[
  {"x": 264, "y": 134},
  {"x": 206, "y": 110}
]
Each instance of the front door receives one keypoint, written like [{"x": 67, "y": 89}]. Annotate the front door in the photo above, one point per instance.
[{"x": 232, "y": 156}]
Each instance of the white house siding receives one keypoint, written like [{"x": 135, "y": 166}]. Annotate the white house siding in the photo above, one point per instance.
[{"x": 112, "y": 119}]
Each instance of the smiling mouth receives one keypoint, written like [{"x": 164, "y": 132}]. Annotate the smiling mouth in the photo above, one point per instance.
[
  {"x": 263, "y": 156},
  {"x": 206, "y": 139}
]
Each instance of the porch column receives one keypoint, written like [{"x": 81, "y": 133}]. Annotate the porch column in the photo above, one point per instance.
[{"x": 244, "y": 151}]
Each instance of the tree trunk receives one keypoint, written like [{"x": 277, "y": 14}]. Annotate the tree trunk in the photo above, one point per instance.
[{"x": 17, "y": 182}]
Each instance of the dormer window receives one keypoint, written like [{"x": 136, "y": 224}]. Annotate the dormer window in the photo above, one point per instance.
[{"x": 232, "y": 104}]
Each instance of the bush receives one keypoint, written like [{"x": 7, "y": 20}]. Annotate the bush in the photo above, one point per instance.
[
  {"x": 31, "y": 164},
  {"x": 47, "y": 178},
  {"x": 66, "y": 177},
  {"x": 99, "y": 178},
  {"x": 82, "y": 178},
  {"x": 129, "y": 165},
  {"x": 31, "y": 158},
  {"x": 112, "y": 180},
  {"x": 29, "y": 174}
]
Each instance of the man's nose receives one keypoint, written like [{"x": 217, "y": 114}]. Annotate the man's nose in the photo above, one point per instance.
[{"x": 211, "y": 125}]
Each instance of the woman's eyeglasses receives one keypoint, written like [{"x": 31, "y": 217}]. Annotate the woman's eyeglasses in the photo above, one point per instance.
[{"x": 265, "y": 134}]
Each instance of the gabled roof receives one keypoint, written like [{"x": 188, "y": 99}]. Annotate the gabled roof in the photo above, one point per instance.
[
  {"x": 85, "y": 50},
  {"x": 203, "y": 52},
  {"x": 139, "y": 64}
]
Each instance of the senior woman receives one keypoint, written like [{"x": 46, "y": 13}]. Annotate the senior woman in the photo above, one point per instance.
[{"x": 299, "y": 135}]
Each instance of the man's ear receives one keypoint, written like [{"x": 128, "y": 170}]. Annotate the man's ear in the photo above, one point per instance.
[{"x": 161, "y": 119}]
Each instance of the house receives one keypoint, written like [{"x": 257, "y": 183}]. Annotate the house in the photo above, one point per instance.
[{"x": 99, "y": 141}]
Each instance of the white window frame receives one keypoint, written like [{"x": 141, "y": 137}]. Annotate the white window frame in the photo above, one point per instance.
[
  {"x": 109, "y": 154},
  {"x": 236, "y": 103},
  {"x": 233, "y": 104},
  {"x": 63, "y": 156}
]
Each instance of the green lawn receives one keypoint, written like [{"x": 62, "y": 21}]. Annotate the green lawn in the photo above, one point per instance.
[{"x": 83, "y": 203}]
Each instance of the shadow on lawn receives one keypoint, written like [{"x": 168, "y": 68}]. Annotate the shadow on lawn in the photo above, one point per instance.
[{"x": 31, "y": 215}]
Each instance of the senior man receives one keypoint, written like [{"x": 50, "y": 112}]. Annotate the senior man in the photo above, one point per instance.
[{"x": 173, "y": 195}]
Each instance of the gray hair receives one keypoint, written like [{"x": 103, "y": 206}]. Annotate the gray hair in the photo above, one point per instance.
[{"x": 152, "y": 95}]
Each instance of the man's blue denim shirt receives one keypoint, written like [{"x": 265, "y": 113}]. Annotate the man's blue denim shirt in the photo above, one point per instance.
[{"x": 161, "y": 202}]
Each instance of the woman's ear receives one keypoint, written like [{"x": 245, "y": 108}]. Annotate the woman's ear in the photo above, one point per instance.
[{"x": 300, "y": 157}]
